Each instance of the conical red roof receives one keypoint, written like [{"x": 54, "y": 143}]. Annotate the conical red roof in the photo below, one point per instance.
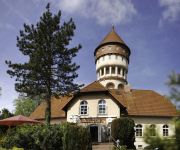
[{"x": 112, "y": 37}]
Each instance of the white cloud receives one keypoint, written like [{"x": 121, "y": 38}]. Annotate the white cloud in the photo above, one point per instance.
[
  {"x": 7, "y": 26},
  {"x": 171, "y": 10},
  {"x": 16, "y": 12},
  {"x": 103, "y": 11}
]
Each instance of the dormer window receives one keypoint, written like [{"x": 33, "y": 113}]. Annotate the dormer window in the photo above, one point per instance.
[{"x": 83, "y": 108}]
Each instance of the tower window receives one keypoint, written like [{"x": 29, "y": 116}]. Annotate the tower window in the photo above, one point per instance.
[
  {"x": 123, "y": 72},
  {"x": 165, "y": 130},
  {"x": 83, "y": 108},
  {"x": 113, "y": 70},
  {"x": 139, "y": 130},
  {"x": 107, "y": 70},
  {"x": 110, "y": 85},
  {"x": 109, "y": 56},
  {"x": 102, "y": 71},
  {"x": 116, "y": 56},
  {"x": 119, "y": 70},
  {"x": 120, "y": 86}
]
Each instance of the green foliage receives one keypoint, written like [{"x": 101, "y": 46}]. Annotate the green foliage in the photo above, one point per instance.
[
  {"x": 52, "y": 137},
  {"x": 24, "y": 106},
  {"x": 177, "y": 131},
  {"x": 49, "y": 69},
  {"x": 123, "y": 129},
  {"x": 4, "y": 113},
  {"x": 170, "y": 143},
  {"x": 174, "y": 85},
  {"x": 123, "y": 147},
  {"x": 36, "y": 137},
  {"x": 76, "y": 137}
]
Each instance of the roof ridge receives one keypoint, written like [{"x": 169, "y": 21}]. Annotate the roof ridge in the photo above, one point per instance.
[{"x": 94, "y": 86}]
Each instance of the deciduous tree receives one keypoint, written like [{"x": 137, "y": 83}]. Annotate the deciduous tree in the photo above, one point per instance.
[{"x": 24, "y": 106}]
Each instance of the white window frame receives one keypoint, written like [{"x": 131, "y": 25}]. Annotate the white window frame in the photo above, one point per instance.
[
  {"x": 165, "y": 130},
  {"x": 83, "y": 108},
  {"x": 139, "y": 130},
  {"x": 102, "y": 107}
]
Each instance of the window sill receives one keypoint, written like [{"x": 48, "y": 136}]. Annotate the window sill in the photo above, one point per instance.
[
  {"x": 102, "y": 114},
  {"x": 83, "y": 115}
]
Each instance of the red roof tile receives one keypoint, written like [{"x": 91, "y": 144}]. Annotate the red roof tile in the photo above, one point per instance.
[{"x": 137, "y": 102}]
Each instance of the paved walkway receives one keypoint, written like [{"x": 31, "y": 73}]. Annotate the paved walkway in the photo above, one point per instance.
[{"x": 103, "y": 146}]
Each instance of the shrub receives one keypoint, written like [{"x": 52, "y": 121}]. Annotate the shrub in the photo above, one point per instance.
[
  {"x": 76, "y": 137},
  {"x": 122, "y": 129},
  {"x": 53, "y": 137},
  {"x": 34, "y": 137},
  {"x": 159, "y": 142}
]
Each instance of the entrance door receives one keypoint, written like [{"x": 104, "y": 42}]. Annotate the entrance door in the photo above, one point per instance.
[{"x": 94, "y": 133}]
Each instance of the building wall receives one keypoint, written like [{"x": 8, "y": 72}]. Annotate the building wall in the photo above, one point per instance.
[
  {"x": 110, "y": 60},
  {"x": 112, "y": 109},
  {"x": 158, "y": 121},
  {"x": 112, "y": 68},
  {"x": 115, "y": 82},
  {"x": 58, "y": 120}
]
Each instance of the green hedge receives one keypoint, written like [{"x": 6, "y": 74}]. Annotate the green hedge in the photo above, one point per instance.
[
  {"x": 54, "y": 137},
  {"x": 122, "y": 129},
  {"x": 76, "y": 137}
]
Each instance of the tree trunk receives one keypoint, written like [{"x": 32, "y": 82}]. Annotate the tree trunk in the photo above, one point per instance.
[{"x": 48, "y": 111}]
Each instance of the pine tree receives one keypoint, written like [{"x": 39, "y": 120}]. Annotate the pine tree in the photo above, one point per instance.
[
  {"x": 49, "y": 70},
  {"x": 174, "y": 85}
]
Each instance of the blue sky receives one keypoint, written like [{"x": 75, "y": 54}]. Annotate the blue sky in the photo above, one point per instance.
[{"x": 150, "y": 28}]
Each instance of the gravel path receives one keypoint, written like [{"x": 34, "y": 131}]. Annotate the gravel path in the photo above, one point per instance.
[{"x": 103, "y": 146}]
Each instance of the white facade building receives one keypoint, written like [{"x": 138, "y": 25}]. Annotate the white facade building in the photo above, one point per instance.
[{"x": 110, "y": 97}]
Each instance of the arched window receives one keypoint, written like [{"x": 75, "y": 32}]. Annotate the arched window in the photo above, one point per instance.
[
  {"x": 152, "y": 130},
  {"x": 110, "y": 85},
  {"x": 102, "y": 107},
  {"x": 120, "y": 86},
  {"x": 83, "y": 108},
  {"x": 138, "y": 130},
  {"x": 165, "y": 130}
]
